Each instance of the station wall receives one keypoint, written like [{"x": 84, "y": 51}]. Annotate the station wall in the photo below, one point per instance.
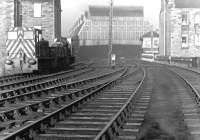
[{"x": 101, "y": 52}]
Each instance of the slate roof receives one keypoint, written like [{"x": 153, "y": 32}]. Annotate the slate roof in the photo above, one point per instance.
[
  {"x": 119, "y": 11},
  {"x": 187, "y": 3},
  {"x": 148, "y": 34}
]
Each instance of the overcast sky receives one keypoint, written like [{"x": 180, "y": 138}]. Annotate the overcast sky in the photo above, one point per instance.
[{"x": 72, "y": 9}]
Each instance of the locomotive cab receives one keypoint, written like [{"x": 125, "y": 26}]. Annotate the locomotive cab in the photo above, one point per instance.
[{"x": 21, "y": 47}]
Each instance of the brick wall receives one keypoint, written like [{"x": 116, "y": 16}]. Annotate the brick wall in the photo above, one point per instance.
[
  {"x": 50, "y": 27},
  {"x": 176, "y": 32},
  {"x": 6, "y": 21}
]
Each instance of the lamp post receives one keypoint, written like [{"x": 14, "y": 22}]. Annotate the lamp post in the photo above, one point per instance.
[{"x": 110, "y": 33}]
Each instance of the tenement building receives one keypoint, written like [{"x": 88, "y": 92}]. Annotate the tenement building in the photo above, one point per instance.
[{"x": 180, "y": 28}]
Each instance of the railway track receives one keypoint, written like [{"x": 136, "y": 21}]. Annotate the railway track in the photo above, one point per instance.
[
  {"x": 23, "y": 77},
  {"x": 42, "y": 85},
  {"x": 131, "y": 128},
  {"x": 191, "y": 76},
  {"x": 190, "y": 99},
  {"x": 184, "y": 102},
  {"x": 43, "y": 78},
  {"x": 38, "y": 78},
  {"x": 10, "y": 78},
  {"x": 105, "y": 100},
  {"x": 106, "y": 108},
  {"x": 45, "y": 101},
  {"x": 101, "y": 118}
]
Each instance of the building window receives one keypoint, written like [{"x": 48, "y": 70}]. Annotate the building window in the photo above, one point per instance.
[
  {"x": 156, "y": 43},
  {"x": 184, "y": 39},
  {"x": 37, "y": 9},
  {"x": 197, "y": 40},
  {"x": 184, "y": 18},
  {"x": 197, "y": 19}
]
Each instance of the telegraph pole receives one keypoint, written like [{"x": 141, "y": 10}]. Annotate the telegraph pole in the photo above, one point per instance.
[
  {"x": 164, "y": 19},
  {"x": 110, "y": 33}
]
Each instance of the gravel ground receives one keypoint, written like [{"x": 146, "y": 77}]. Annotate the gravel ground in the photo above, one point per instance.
[{"x": 164, "y": 120}]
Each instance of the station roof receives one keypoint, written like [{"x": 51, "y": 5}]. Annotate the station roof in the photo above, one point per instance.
[
  {"x": 119, "y": 11},
  {"x": 187, "y": 3},
  {"x": 149, "y": 34}
]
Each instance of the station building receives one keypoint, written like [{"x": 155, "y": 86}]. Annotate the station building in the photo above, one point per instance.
[
  {"x": 180, "y": 28},
  {"x": 127, "y": 25},
  {"x": 150, "y": 41},
  {"x": 40, "y": 14},
  {"x": 150, "y": 49},
  {"x": 127, "y": 29}
]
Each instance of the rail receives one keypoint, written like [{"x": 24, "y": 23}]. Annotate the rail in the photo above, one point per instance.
[
  {"x": 44, "y": 84},
  {"x": 37, "y": 79},
  {"x": 112, "y": 128},
  {"x": 196, "y": 93},
  {"x": 30, "y": 131},
  {"x": 40, "y": 77},
  {"x": 61, "y": 86}
]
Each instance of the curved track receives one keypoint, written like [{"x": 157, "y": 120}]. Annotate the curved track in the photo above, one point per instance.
[
  {"x": 29, "y": 107},
  {"x": 117, "y": 105},
  {"x": 32, "y": 78},
  {"x": 16, "y": 77},
  {"x": 174, "y": 110},
  {"x": 190, "y": 98},
  {"x": 103, "y": 98}
]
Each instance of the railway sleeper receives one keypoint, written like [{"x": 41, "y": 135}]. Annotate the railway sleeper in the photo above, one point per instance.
[
  {"x": 73, "y": 108},
  {"x": 38, "y": 86},
  {"x": 64, "y": 137},
  {"x": 35, "y": 107},
  {"x": 30, "y": 81},
  {"x": 90, "y": 124}
]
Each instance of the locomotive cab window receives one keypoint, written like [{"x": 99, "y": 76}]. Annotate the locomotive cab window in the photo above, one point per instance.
[
  {"x": 12, "y": 35},
  {"x": 28, "y": 35}
]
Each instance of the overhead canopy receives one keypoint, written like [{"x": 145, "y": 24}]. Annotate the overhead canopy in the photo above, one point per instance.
[{"x": 187, "y": 3}]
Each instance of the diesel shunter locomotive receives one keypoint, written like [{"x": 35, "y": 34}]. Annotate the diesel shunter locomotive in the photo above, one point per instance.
[{"x": 28, "y": 52}]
